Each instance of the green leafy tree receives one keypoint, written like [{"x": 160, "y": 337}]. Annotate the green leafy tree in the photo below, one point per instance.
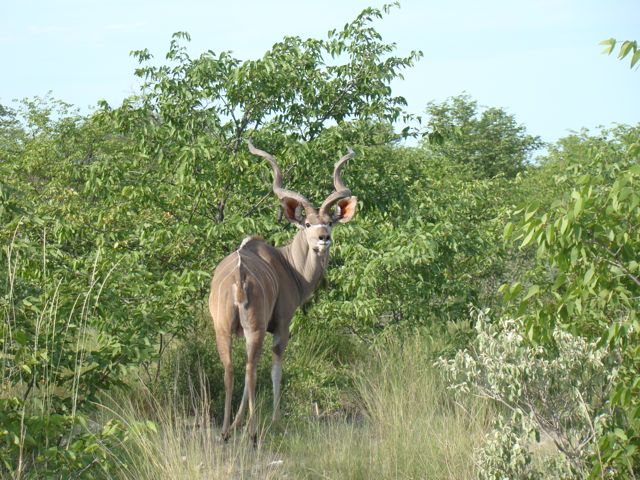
[
  {"x": 491, "y": 142},
  {"x": 112, "y": 223},
  {"x": 425, "y": 246},
  {"x": 587, "y": 276}
]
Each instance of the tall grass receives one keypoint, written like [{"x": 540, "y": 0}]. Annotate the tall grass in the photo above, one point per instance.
[
  {"x": 46, "y": 339},
  {"x": 170, "y": 439},
  {"x": 411, "y": 429},
  {"x": 408, "y": 427}
]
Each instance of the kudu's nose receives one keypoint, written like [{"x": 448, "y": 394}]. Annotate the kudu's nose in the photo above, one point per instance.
[{"x": 324, "y": 238}]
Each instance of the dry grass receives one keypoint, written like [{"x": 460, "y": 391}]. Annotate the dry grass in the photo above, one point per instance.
[
  {"x": 412, "y": 428},
  {"x": 169, "y": 441},
  {"x": 409, "y": 428}
]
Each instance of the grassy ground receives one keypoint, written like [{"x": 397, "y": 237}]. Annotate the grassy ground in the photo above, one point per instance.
[{"x": 407, "y": 426}]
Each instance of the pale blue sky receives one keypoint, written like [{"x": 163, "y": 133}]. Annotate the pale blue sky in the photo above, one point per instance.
[{"x": 538, "y": 59}]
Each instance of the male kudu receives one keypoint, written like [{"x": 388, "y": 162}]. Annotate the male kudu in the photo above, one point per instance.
[{"x": 258, "y": 288}]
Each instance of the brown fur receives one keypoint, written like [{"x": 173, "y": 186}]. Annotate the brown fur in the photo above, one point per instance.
[{"x": 258, "y": 288}]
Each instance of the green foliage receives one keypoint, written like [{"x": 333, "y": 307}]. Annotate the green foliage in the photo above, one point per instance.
[
  {"x": 57, "y": 355},
  {"x": 112, "y": 223},
  {"x": 557, "y": 396},
  {"x": 586, "y": 277},
  {"x": 410, "y": 425},
  {"x": 185, "y": 185},
  {"x": 628, "y": 47},
  {"x": 426, "y": 244},
  {"x": 489, "y": 142}
]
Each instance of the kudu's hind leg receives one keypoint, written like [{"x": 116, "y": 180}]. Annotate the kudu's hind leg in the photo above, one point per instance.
[
  {"x": 223, "y": 343},
  {"x": 237, "y": 421},
  {"x": 254, "y": 348}
]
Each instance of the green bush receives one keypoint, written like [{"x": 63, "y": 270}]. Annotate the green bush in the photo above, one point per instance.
[
  {"x": 56, "y": 356},
  {"x": 556, "y": 396},
  {"x": 585, "y": 278}
]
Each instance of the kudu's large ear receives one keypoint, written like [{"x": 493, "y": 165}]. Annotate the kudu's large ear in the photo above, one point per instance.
[
  {"x": 345, "y": 209},
  {"x": 292, "y": 210}
]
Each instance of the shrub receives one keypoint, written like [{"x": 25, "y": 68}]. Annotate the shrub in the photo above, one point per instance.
[
  {"x": 55, "y": 359},
  {"x": 554, "y": 395}
]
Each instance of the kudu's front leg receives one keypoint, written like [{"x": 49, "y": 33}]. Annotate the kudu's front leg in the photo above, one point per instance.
[{"x": 280, "y": 341}]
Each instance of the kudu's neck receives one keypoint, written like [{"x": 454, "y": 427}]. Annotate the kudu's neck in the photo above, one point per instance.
[{"x": 305, "y": 263}]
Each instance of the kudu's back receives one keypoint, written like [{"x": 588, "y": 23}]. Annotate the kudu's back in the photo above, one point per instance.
[{"x": 244, "y": 288}]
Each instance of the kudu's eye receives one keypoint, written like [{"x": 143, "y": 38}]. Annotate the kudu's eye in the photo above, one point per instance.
[{"x": 307, "y": 224}]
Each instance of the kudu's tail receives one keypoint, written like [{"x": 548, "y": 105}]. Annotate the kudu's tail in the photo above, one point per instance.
[{"x": 240, "y": 299}]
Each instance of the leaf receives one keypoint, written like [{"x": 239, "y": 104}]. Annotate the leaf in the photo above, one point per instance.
[
  {"x": 530, "y": 213},
  {"x": 435, "y": 138},
  {"x": 577, "y": 207},
  {"x": 20, "y": 337},
  {"x": 588, "y": 276},
  {"x": 618, "y": 432},
  {"x": 508, "y": 230},
  {"x": 531, "y": 331},
  {"x": 528, "y": 238},
  {"x": 625, "y": 49},
  {"x": 550, "y": 234},
  {"x": 542, "y": 247},
  {"x": 613, "y": 332},
  {"x": 533, "y": 290},
  {"x": 610, "y": 43},
  {"x": 151, "y": 426},
  {"x": 574, "y": 255}
]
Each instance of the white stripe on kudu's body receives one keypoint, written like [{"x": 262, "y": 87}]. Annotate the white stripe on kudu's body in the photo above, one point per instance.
[{"x": 258, "y": 288}]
